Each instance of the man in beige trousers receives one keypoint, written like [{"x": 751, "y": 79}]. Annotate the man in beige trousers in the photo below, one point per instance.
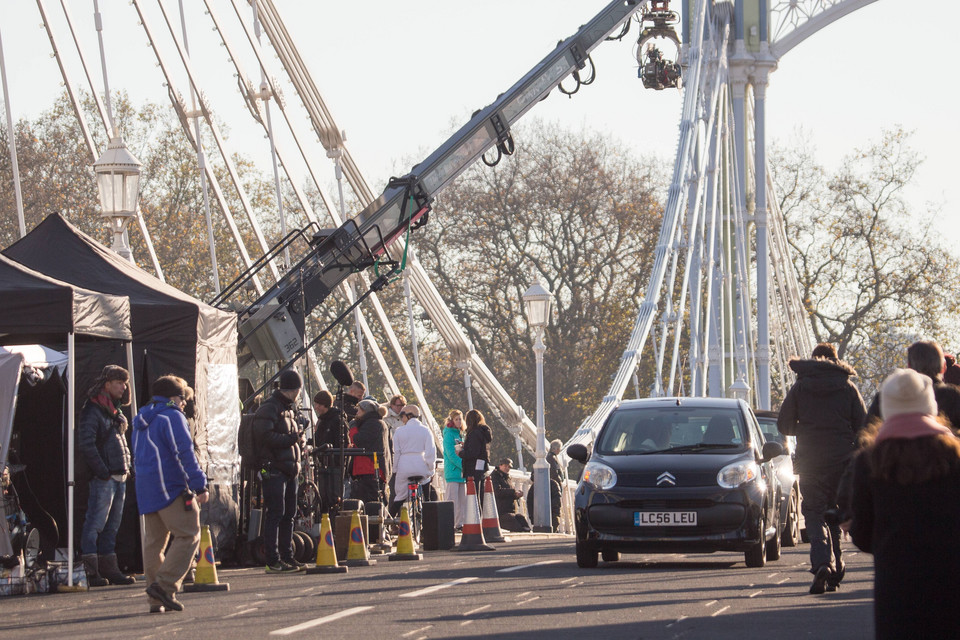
[{"x": 170, "y": 489}]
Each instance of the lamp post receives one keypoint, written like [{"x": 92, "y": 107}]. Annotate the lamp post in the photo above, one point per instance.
[
  {"x": 537, "y": 302},
  {"x": 118, "y": 180}
]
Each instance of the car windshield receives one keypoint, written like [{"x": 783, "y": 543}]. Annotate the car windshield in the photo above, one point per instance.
[{"x": 659, "y": 429}]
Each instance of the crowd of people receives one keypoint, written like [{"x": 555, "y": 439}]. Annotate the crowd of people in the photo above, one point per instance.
[{"x": 888, "y": 475}]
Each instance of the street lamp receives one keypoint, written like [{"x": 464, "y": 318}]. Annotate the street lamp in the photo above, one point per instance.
[
  {"x": 537, "y": 302},
  {"x": 118, "y": 180}
]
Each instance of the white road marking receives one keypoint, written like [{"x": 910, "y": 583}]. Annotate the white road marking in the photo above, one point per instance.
[
  {"x": 755, "y": 594},
  {"x": 525, "y": 593},
  {"x": 252, "y": 604},
  {"x": 309, "y": 624},
  {"x": 528, "y": 600},
  {"x": 240, "y": 613},
  {"x": 568, "y": 580},
  {"x": 712, "y": 602},
  {"x": 719, "y": 611},
  {"x": 784, "y": 580},
  {"x": 465, "y": 623},
  {"x": 526, "y": 566},
  {"x": 415, "y": 631},
  {"x": 477, "y": 610},
  {"x": 437, "y": 587},
  {"x": 575, "y": 584},
  {"x": 680, "y": 619},
  {"x": 775, "y": 573}
]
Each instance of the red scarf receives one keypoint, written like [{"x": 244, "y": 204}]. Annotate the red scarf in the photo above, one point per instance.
[
  {"x": 908, "y": 426},
  {"x": 104, "y": 401}
]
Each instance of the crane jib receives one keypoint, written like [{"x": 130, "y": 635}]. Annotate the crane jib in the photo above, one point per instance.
[{"x": 269, "y": 326}]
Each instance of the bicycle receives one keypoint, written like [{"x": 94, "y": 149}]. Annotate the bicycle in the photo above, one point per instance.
[{"x": 415, "y": 506}]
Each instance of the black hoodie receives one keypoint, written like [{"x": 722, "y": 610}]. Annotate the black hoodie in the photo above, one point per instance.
[
  {"x": 825, "y": 411},
  {"x": 476, "y": 447}
]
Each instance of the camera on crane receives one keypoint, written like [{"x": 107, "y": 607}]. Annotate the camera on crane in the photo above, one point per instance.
[{"x": 656, "y": 71}]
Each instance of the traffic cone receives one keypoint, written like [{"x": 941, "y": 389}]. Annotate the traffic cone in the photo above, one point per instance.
[
  {"x": 490, "y": 519},
  {"x": 326, "y": 553},
  {"x": 406, "y": 550},
  {"x": 471, "y": 538},
  {"x": 206, "y": 578},
  {"x": 357, "y": 553}
]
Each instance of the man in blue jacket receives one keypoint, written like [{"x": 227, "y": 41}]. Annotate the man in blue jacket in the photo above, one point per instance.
[{"x": 170, "y": 489}]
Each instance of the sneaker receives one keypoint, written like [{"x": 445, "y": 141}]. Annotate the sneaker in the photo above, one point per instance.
[
  {"x": 299, "y": 566},
  {"x": 281, "y": 567},
  {"x": 168, "y": 600},
  {"x": 820, "y": 579}
]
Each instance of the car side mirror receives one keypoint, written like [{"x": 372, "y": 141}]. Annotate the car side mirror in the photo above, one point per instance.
[
  {"x": 578, "y": 452},
  {"x": 771, "y": 450}
]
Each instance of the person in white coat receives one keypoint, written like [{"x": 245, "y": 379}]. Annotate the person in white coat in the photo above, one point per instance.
[{"x": 414, "y": 454}]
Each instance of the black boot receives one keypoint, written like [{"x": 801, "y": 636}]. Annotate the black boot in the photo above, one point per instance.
[
  {"x": 110, "y": 570},
  {"x": 820, "y": 579},
  {"x": 90, "y": 567}
]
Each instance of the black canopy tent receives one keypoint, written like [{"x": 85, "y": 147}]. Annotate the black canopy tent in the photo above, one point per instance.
[
  {"x": 37, "y": 308},
  {"x": 173, "y": 333}
]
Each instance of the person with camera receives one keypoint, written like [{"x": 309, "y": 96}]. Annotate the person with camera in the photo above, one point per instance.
[
  {"x": 507, "y": 496},
  {"x": 170, "y": 489},
  {"x": 102, "y": 442},
  {"x": 279, "y": 442}
]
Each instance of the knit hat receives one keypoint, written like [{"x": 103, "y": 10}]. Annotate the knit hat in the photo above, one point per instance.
[
  {"x": 411, "y": 410},
  {"x": 907, "y": 391},
  {"x": 368, "y": 405},
  {"x": 290, "y": 380}
]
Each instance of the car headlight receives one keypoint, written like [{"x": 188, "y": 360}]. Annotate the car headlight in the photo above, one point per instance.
[
  {"x": 599, "y": 475},
  {"x": 738, "y": 473}
]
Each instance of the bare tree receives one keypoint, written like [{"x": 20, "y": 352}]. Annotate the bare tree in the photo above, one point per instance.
[{"x": 871, "y": 269}]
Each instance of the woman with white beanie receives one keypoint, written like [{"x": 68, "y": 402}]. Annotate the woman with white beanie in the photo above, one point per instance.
[{"x": 906, "y": 512}]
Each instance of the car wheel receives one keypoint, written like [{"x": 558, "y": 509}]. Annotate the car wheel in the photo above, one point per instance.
[
  {"x": 791, "y": 531},
  {"x": 610, "y": 555},
  {"x": 773, "y": 545},
  {"x": 587, "y": 556},
  {"x": 756, "y": 555}
]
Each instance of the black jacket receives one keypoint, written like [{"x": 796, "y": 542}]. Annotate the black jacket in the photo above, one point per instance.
[
  {"x": 825, "y": 411},
  {"x": 372, "y": 435},
  {"x": 276, "y": 435},
  {"x": 101, "y": 441},
  {"x": 476, "y": 447},
  {"x": 504, "y": 492},
  {"x": 911, "y": 532},
  {"x": 946, "y": 395},
  {"x": 328, "y": 429}
]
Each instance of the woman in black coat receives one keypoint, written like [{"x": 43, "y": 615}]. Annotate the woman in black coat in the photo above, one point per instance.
[
  {"x": 906, "y": 512},
  {"x": 475, "y": 452}
]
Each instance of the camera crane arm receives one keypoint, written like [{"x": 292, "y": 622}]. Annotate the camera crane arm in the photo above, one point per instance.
[{"x": 273, "y": 327}]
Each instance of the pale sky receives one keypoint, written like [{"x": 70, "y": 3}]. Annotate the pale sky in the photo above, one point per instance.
[{"x": 399, "y": 77}]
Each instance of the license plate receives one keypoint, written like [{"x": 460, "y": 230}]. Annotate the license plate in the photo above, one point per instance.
[{"x": 665, "y": 518}]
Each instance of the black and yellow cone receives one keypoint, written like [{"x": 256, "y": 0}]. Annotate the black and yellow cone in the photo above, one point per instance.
[
  {"x": 326, "y": 552},
  {"x": 357, "y": 553},
  {"x": 206, "y": 576},
  {"x": 406, "y": 549}
]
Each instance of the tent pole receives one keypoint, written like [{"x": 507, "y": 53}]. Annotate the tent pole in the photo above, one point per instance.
[
  {"x": 133, "y": 385},
  {"x": 71, "y": 425}
]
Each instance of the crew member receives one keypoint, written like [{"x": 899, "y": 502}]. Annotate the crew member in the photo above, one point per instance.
[
  {"x": 369, "y": 432},
  {"x": 507, "y": 498},
  {"x": 170, "y": 489},
  {"x": 279, "y": 442},
  {"x": 101, "y": 440}
]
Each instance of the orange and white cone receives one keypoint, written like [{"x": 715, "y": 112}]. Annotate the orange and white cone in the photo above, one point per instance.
[
  {"x": 471, "y": 539},
  {"x": 326, "y": 552},
  {"x": 406, "y": 549},
  {"x": 357, "y": 553},
  {"x": 206, "y": 577},
  {"x": 490, "y": 519}
]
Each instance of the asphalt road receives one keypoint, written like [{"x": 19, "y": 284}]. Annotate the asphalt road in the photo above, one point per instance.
[{"x": 529, "y": 587}]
